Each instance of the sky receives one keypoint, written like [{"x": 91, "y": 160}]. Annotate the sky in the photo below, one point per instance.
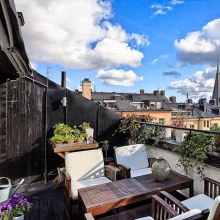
[{"x": 126, "y": 45}]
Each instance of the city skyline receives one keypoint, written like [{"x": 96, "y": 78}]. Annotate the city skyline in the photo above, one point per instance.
[{"x": 126, "y": 45}]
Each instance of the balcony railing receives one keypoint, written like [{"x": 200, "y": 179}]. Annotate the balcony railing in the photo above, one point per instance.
[{"x": 212, "y": 156}]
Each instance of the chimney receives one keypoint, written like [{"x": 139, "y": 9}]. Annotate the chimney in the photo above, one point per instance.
[
  {"x": 156, "y": 92},
  {"x": 172, "y": 99},
  {"x": 142, "y": 91},
  {"x": 212, "y": 102},
  {"x": 190, "y": 101},
  {"x": 86, "y": 89},
  {"x": 202, "y": 104},
  {"x": 63, "y": 79},
  {"x": 162, "y": 92}
]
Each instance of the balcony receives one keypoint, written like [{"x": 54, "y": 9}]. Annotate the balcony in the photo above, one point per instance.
[{"x": 48, "y": 198}]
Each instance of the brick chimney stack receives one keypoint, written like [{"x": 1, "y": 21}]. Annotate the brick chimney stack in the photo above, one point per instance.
[{"x": 86, "y": 89}]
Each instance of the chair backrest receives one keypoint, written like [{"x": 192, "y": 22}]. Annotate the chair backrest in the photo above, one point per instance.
[
  {"x": 134, "y": 156},
  {"x": 211, "y": 187},
  {"x": 215, "y": 210},
  {"x": 83, "y": 165}
]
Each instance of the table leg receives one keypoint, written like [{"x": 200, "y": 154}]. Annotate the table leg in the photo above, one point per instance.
[
  {"x": 191, "y": 190},
  {"x": 80, "y": 211}
]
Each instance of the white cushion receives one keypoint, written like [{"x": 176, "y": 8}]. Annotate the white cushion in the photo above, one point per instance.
[
  {"x": 186, "y": 214},
  {"x": 141, "y": 172},
  {"x": 214, "y": 207},
  {"x": 83, "y": 165},
  {"x": 145, "y": 218},
  {"x": 200, "y": 202},
  {"x": 134, "y": 156},
  {"x": 75, "y": 185}
]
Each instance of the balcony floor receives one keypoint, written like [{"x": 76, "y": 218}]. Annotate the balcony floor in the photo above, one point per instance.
[{"x": 47, "y": 202}]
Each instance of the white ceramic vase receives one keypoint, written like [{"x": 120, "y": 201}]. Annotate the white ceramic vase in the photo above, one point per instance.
[
  {"x": 179, "y": 136},
  {"x": 167, "y": 133},
  {"x": 18, "y": 218},
  {"x": 89, "y": 132}
]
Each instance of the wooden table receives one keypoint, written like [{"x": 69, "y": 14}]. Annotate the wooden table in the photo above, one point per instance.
[
  {"x": 105, "y": 197},
  {"x": 61, "y": 149}
]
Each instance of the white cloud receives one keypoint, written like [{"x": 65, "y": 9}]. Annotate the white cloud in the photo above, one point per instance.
[
  {"x": 140, "y": 40},
  {"x": 108, "y": 53},
  {"x": 68, "y": 80},
  {"x": 160, "y": 9},
  {"x": 176, "y": 2},
  {"x": 161, "y": 57},
  {"x": 200, "y": 47},
  {"x": 154, "y": 62},
  {"x": 200, "y": 84},
  {"x": 75, "y": 33},
  {"x": 118, "y": 77}
]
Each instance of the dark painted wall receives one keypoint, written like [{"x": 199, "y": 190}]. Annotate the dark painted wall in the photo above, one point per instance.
[
  {"x": 22, "y": 121},
  {"x": 25, "y": 107}
]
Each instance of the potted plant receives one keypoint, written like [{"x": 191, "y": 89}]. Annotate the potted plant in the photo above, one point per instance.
[
  {"x": 167, "y": 133},
  {"x": 193, "y": 151},
  {"x": 134, "y": 131},
  {"x": 179, "y": 122},
  {"x": 105, "y": 147},
  {"x": 85, "y": 126},
  {"x": 81, "y": 137},
  {"x": 62, "y": 134},
  {"x": 216, "y": 127},
  {"x": 58, "y": 139},
  {"x": 16, "y": 207}
]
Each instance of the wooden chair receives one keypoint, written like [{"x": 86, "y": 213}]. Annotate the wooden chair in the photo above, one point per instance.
[
  {"x": 84, "y": 169},
  {"x": 202, "y": 202},
  {"x": 132, "y": 160},
  {"x": 205, "y": 200},
  {"x": 175, "y": 210}
]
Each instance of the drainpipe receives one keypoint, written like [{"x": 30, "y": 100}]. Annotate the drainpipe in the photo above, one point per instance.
[{"x": 64, "y": 99}]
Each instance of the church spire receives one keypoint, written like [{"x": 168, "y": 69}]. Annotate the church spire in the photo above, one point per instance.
[
  {"x": 216, "y": 90},
  {"x": 217, "y": 67}
]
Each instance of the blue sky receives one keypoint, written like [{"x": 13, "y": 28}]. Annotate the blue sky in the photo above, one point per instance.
[{"x": 126, "y": 45}]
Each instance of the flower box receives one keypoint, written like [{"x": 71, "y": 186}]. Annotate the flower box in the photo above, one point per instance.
[{"x": 68, "y": 147}]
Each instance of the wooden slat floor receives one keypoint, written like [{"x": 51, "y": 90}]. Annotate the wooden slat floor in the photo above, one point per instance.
[{"x": 47, "y": 201}]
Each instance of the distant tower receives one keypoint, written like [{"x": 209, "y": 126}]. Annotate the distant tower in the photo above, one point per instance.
[{"x": 216, "y": 90}]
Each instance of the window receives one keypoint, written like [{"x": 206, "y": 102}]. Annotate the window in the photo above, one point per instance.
[
  {"x": 191, "y": 126},
  {"x": 161, "y": 121},
  {"x": 189, "y": 113},
  {"x": 204, "y": 123},
  {"x": 207, "y": 124}
]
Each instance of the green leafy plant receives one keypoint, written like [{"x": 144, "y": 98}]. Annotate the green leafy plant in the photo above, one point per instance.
[
  {"x": 66, "y": 134},
  {"x": 85, "y": 125},
  {"x": 80, "y": 137},
  {"x": 105, "y": 146},
  {"x": 134, "y": 131},
  {"x": 193, "y": 151},
  {"x": 216, "y": 127},
  {"x": 59, "y": 139},
  {"x": 62, "y": 129}
]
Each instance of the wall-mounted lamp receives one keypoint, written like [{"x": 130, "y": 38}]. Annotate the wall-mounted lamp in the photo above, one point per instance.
[{"x": 64, "y": 101}]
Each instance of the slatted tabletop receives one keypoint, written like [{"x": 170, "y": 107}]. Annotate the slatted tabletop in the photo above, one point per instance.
[{"x": 105, "y": 197}]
